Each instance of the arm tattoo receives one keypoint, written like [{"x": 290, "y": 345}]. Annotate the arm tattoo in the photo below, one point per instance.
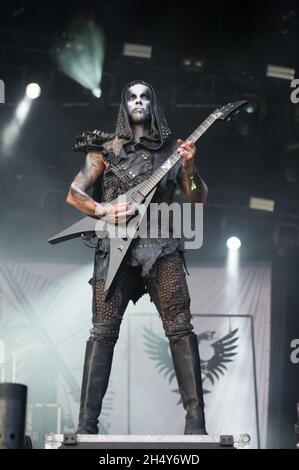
[
  {"x": 77, "y": 192},
  {"x": 89, "y": 173}
]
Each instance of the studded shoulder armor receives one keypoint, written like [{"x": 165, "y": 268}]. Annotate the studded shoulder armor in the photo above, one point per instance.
[{"x": 94, "y": 140}]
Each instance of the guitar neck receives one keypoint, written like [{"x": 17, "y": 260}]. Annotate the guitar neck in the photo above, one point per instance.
[{"x": 154, "y": 179}]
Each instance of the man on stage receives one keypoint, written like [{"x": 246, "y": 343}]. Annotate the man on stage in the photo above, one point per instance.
[{"x": 114, "y": 164}]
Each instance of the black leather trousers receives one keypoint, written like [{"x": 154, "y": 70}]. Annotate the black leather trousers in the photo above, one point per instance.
[{"x": 167, "y": 288}]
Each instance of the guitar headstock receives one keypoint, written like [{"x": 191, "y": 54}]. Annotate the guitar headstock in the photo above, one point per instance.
[{"x": 228, "y": 109}]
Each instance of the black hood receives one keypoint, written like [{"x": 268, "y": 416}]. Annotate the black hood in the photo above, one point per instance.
[{"x": 159, "y": 127}]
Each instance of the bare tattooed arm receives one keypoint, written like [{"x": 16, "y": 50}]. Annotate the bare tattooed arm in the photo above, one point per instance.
[{"x": 77, "y": 197}]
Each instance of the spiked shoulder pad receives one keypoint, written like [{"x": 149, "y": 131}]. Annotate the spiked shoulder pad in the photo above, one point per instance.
[{"x": 91, "y": 140}]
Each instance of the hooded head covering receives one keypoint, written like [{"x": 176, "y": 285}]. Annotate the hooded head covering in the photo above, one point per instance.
[{"x": 159, "y": 126}]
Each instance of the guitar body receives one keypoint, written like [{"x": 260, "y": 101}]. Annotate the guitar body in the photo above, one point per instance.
[
  {"x": 120, "y": 244},
  {"x": 121, "y": 235}
]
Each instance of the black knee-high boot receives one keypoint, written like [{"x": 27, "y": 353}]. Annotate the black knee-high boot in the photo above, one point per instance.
[
  {"x": 96, "y": 373},
  {"x": 186, "y": 361}
]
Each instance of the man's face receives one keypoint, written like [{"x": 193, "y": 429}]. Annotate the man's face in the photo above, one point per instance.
[{"x": 138, "y": 103}]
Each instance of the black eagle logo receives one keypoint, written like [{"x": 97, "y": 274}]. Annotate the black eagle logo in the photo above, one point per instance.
[{"x": 219, "y": 352}]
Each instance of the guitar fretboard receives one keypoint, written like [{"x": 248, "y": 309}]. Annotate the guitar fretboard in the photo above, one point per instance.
[{"x": 154, "y": 179}]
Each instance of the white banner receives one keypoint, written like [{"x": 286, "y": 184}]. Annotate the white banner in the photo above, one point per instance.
[{"x": 45, "y": 316}]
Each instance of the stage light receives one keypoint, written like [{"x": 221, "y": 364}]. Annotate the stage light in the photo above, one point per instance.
[
  {"x": 232, "y": 262},
  {"x": 23, "y": 109},
  {"x": 33, "y": 91},
  {"x": 81, "y": 56},
  {"x": 198, "y": 63},
  {"x": 193, "y": 64},
  {"x": 12, "y": 131},
  {"x": 2, "y": 92},
  {"x": 233, "y": 243},
  {"x": 261, "y": 204},
  {"x": 252, "y": 114},
  {"x": 187, "y": 62},
  {"x": 97, "y": 92},
  {"x": 137, "y": 50},
  {"x": 284, "y": 73},
  {"x": 249, "y": 108}
]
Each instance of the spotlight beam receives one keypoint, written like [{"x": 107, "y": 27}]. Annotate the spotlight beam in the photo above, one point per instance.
[
  {"x": 82, "y": 58},
  {"x": 12, "y": 130}
]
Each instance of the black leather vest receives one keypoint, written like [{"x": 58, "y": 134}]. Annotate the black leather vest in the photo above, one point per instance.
[{"x": 133, "y": 166}]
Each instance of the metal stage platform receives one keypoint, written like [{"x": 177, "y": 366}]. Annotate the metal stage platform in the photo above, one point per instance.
[{"x": 89, "y": 441}]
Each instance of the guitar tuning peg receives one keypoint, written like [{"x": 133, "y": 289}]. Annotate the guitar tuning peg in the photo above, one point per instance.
[{"x": 229, "y": 119}]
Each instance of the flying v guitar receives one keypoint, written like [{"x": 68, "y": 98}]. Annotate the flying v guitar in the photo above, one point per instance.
[{"x": 139, "y": 195}]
